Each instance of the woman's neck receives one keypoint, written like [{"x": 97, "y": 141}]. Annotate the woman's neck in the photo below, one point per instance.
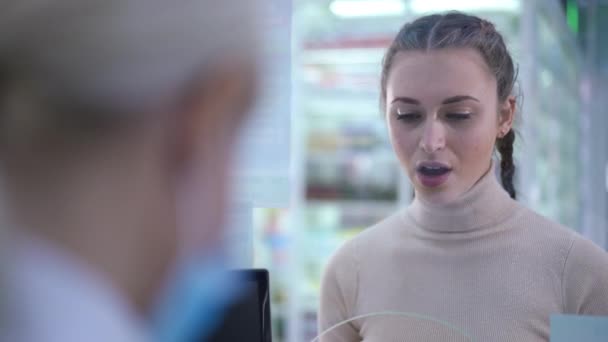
[{"x": 484, "y": 204}]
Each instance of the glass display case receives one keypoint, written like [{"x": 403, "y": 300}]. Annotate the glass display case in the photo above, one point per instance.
[{"x": 556, "y": 123}]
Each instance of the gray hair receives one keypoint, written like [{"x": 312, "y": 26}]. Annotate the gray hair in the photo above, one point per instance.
[{"x": 114, "y": 56}]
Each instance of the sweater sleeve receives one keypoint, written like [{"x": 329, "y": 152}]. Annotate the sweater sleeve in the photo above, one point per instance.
[
  {"x": 338, "y": 296},
  {"x": 585, "y": 279}
]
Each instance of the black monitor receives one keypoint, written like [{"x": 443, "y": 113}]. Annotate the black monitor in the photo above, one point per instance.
[{"x": 248, "y": 318}]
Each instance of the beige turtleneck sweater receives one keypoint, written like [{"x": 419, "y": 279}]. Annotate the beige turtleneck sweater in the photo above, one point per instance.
[{"x": 483, "y": 266}]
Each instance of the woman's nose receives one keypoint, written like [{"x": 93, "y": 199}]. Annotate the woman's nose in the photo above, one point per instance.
[{"x": 433, "y": 136}]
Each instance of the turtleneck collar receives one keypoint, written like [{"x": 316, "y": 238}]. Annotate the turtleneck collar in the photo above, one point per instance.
[{"x": 484, "y": 205}]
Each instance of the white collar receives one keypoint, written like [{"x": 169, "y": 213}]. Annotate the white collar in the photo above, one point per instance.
[{"x": 55, "y": 297}]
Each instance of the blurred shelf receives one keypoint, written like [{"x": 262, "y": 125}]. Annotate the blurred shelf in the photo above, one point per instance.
[{"x": 353, "y": 205}]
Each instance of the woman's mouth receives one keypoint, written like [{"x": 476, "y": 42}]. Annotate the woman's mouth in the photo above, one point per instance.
[{"x": 432, "y": 174}]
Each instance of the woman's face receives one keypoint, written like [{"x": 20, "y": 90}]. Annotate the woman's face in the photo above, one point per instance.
[{"x": 443, "y": 119}]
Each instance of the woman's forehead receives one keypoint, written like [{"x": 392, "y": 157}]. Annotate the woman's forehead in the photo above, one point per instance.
[{"x": 440, "y": 73}]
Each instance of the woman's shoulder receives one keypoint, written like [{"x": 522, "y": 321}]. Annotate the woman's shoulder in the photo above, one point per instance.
[
  {"x": 390, "y": 228},
  {"x": 544, "y": 227},
  {"x": 373, "y": 237},
  {"x": 581, "y": 264},
  {"x": 367, "y": 246},
  {"x": 372, "y": 240},
  {"x": 585, "y": 278},
  {"x": 550, "y": 232}
]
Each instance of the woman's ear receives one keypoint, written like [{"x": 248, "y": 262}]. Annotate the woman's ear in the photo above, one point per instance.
[{"x": 506, "y": 116}]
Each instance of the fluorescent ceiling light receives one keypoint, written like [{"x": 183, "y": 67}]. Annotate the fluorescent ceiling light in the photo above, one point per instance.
[
  {"x": 367, "y": 8},
  {"x": 424, "y": 6}
]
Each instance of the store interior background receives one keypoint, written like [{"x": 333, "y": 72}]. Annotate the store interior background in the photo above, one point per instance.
[{"x": 327, "y": 171}]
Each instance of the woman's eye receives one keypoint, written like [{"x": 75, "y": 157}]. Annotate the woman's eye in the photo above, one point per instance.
[
  {"x": 409, "y": 117},
  {"x": 458, "y": 116}
]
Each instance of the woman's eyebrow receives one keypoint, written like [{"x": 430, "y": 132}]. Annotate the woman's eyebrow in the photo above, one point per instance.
[
  {"x": 449, "y": 100},
  {"x": 406, "y": 100}
]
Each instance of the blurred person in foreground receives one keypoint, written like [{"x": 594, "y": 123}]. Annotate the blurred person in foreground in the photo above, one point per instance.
[{"x": 117, "y": 123}]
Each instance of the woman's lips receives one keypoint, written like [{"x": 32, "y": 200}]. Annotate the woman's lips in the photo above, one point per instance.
[{"x": 432, "y": 174}]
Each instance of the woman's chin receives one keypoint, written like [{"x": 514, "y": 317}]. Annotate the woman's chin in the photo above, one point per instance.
[{"x": 436, "y": 195}]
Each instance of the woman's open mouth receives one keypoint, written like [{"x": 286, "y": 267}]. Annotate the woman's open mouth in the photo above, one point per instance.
[{"x": 432, "y": 174}]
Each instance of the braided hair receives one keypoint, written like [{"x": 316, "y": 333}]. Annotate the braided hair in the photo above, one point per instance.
[{"x": 504, "y": 146}]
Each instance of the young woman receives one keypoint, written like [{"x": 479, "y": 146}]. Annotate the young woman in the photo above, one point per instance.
[{"x": 464, "y": 261}]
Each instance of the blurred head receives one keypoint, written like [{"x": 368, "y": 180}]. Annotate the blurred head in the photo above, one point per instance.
[
  {"x": 447, "y": 83},
  {"x": 117, "y": 122}
]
